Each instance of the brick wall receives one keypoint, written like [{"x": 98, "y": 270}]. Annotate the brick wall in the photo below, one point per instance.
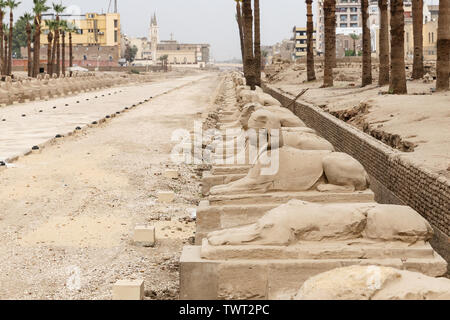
[{"x": 393, "y": 179}]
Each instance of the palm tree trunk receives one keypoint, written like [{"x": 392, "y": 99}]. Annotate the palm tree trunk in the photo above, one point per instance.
[
  {"x": 397, "y": 84},
  {"x": 2, "y": 56},
  {"x": 257, "y": 44},
  {"x": 11, "y": 25},
  {"x": 443, "y": 47},
  {"x": 311, "y": 74},
  {"x": 367, "y": 51},
  {"x": 329, "y": 9},
  {"x": 70, "y": 52},
  {"x": 29, "y": 62},
  {"x": 5, "y": 65},
  {"x": 248, "y": 41},
  {"x": 58, "y": 55},
  {"x": 37, "y": 46},
  {"x": 383, "y": 78},
  {"x": 417, "y": 15},
  {"x": 49, "y": 53},
  {"x": 55, "y": 43},
  {"x": 241, "y": 31},
  {"x": 63, "y": 53}
]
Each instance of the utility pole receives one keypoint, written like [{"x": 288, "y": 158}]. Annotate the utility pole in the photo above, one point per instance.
[{"x": 115, "y": 6}]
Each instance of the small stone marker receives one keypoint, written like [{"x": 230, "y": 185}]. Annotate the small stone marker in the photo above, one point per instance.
[
  {"x": 192, "y": 212},
  {"x": 171, "y": 174},
  {"x": 166, "y": 196},
  {"x": 144, "y": 236},
  {"x": 128, "y": 290}
]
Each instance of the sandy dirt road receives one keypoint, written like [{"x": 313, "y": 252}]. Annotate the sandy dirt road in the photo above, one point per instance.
[
  {"x": 67, "y": 214},
  {"x": 26, "y": 125}
]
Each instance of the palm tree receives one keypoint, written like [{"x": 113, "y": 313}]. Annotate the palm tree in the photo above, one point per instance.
[
  {"x": 39, "y": 7},
  {"x": 11, "y": 4},
  {"x": 443, "y": 47},
  {"x": 64, "y": 28},
  {"x": 257, "y": 44},
  {"x": 58, "y": 8},
  {"x": 164, "y": 60},
  {"x": 5, "y": 53},
  {"x": 417, "y": 15},
  {"x": 248, "y": 43},
  {"x": 240, "y": 26},
  {"x": 2, "y": 15},
  {"x": 367, "y": 51},
  {"x": 310, "y": 73},
  {"x": 51, "y": 27},
  {"x": 55, "y": 28},
  {"x": 329, "y": 9},
  {"x": 397, "y": 83},
  {"x": 71, "y": 29},
  {"x": 383, "y": 78},
  {"x": 28, "y": 18},
  {"x": 354, "y": 37}
]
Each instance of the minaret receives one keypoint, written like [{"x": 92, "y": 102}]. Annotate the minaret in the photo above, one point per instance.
[{"x": 154, "y": 37}]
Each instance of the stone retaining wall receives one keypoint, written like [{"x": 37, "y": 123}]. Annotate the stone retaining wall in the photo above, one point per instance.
[{"x": 394, "y": 179}]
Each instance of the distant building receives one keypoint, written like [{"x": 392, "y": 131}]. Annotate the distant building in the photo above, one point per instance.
[
  {"x": 429, "y": 40},
  {"x": 348, "y": 21},
  {"x": 151, "y": 49},
  {"x": 101, "y": 31},
  {"x": 345, "y": 43},
  {"x": 300, "y": 39}
]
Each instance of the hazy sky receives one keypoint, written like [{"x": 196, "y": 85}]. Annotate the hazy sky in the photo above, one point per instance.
[{"x": 197, "y": 21}]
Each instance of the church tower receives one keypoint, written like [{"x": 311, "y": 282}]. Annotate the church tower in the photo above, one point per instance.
[{"x": 154, "y": 37}]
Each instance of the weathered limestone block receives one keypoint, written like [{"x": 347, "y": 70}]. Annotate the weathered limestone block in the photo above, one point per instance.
[
  {"x": 298, "y": 240},
  {"x": 373, "y": 283},
  {"x": 166, "y": 196},
  {"x": 144, "y": 236},
  {"x": 128, "y": 290}
]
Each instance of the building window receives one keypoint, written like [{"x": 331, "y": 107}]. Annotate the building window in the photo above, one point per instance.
[
  {"x": 353, "y": 9},
  {"x": 354, "y": 17},
  {"x": 353, "y": 25},
  {"x": 116, "y": 23},
  {"x": 343, "y": 17},
  {"x": 116, "y": 36},
  {"x": 343, "y": 25}
]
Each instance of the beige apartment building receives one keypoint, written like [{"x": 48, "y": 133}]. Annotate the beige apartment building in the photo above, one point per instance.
[
  {"x": 93, "y": 29},
  {"x": 300, "y": 39}
]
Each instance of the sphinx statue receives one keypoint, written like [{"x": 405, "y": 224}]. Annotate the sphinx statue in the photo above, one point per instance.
[
  {"x": 300, "y": 170},
  {"x": 246, "y": 96},
  {"x": 373, "y": 283},
  {"x": 297, "y": 221},
  {"x": 4, "y": 95},
  {"x": 274, "y": 256},
  {"x": 15, "y": 94}
]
